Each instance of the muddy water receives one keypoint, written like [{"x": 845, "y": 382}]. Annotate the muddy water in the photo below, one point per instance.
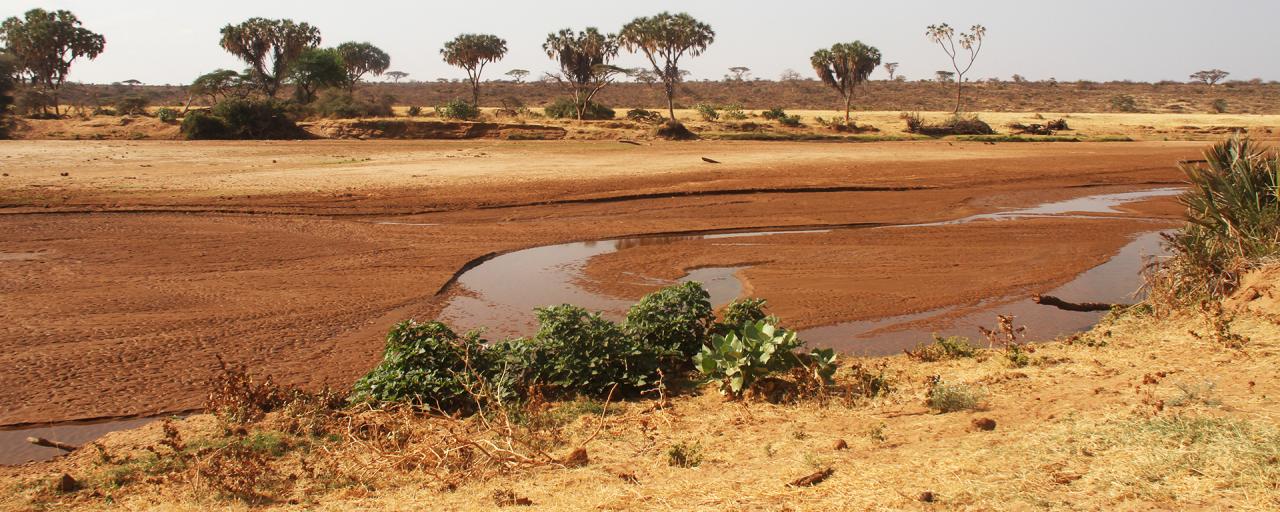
[
  {"x": 500, "y": 294},
  {"x": 14, "y": 448}
]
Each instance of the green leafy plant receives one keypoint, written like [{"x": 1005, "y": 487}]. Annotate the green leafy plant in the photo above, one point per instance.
[
  {"x": 644, "y": 116},
  {"x": 743, "y": 311},
  {"x": 577, "y": 351},
  {"x": 201, "y": 125},
  {"x": 458, "y": 109},
  {"x": 734, "y": 113},
  {"x": 950, "y": 347},
  {"x": 774, "y": 114},
  {"x": 756, "y": 350},
  {"x": 426, "y": 364},
  {"x": 167, "y": 115},
  {"x": 675, "y": 320},
  {"x": 707, "y": 112},
  {"x": 564, "y": 108},
  {"x": 790, "y": 121}
]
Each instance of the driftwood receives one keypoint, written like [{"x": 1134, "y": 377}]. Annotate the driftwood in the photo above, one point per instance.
[
  {"x": 1049, "y": 300},
  {"x": 813, "y": 479},
  {"x": 708, "y": 160},
  {"x": 632, "y": 142},
  {"x": 40, "y": 441}
]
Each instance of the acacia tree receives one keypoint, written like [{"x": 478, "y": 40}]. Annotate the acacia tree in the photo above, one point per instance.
[
  {"x": 362, "y": 59},
  {"x": 218, "y": 85},
  {"x": 667, "y": 37},
  {"x": 738, "y": 73},
  {"x": 970, "y": 41},
  {"x": 315, "y": 69},
  {"x": 471, "y": 52},
  {"x": 584, "y": 63},
  {"x": 44, "y": 44},
  {"x": 1209, "y": 76},
  {"x": 844, "y": 66},
  {"x": 892, "y": 68},
  {"x": 269, "y": 47},
  {"x": 396, "y": 76},
  {"x": 518, "y": 74}
]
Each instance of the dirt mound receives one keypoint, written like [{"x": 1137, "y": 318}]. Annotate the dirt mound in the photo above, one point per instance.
[
  {"x": 407, "y": 129},
  {"x": 96, "y": 128},
  {"x": 1258, "y": 293}
]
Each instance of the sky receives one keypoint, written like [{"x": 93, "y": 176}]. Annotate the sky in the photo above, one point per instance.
[{"x": 167, "y": 42}]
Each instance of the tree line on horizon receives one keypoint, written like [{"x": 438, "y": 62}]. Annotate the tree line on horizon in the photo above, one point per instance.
[{"x": 39, "y": 48}]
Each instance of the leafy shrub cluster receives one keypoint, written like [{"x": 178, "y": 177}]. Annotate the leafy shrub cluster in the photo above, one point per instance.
[
  {"x": 950, "y": 347},
  {"x": 132, "y": 105},
  {"x": 644, "y": 116},
  {"x": 167, "y": 115},
  {"x": 339, "y": 104},
  {"x": 565, "y": 108},
  {"x": 415, "y": 111},
  {"x": 1233, "y": 213},
  {"x": 779, "y": 115},
  {"x": 734, "y": 113},
  {"x": 246, "y": 119},
  {"x": 707, "y": 112},
  {"x": 578, "y": 352},
  {"x": 955, "y": 125},
  {"x": 458, "y": 109}
]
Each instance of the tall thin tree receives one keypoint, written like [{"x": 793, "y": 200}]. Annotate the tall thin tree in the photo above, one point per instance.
[
  {"x": 667, "y": 37},
  {"x": 269, "y": 47},
  {"x": 583, "y": 58},
  {"x": 844, "y": 66},
  {"x": 970, "y": 41},
  {"x": 471, "y": 52}
]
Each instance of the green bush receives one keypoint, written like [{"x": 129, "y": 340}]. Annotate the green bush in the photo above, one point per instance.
[
  {"x": 415, "y": 111},
  {"x": 564, "y": 108},
  {"x": 1124, "y": 103},
  {"x": 256, "y": 119},
  {"x": 1233, "y": 209},
  {"x": 744, "y": 311},
  {"x": 644, "y": 116},
  {"x": 675, "y": 320},
  {"x": 339, "y": 104},
  {"x": 743, "y": 357},
  {"x": 734, "y": 113},
  {"x": 167, "y": 115},
  {"x": 458, "y": 109},
  {"x": 790, "y": 121},
  {"x": 950, "y": 347},
  {"x": 201, "y": 125},
  {"x": 774, "y": 113},
  {"x": 707, "y": 112},
  {"x": 577, "y": 351},
  {"x": 426, "y": 364},
  {"x": 133, "y": 105}
]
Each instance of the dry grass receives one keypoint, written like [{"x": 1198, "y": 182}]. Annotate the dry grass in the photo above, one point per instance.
[{"x": 1129, "y": 424}]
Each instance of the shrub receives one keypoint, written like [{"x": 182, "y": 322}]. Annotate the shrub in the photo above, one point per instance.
[
  {"x": 339, "y": 104},
  {"x": 255, "y": 119},
  {"x": 1233, "y": 213},
  {"x": 578, "y": 351},
  {"x": 201, "y": 125},
  {"x": 1219, "y": 106},
  {"x": 674, "y": 130},
  {"x": 790, "y": 121},
  {"x": 33, "y": 103},
  {"x": 415, "y": 111},
  {"x": 950, "y": 347},
  {"x": 458, "y": 109},
  {"x": 946, "y": 398},
  {"x": 675, "y": 320},
  {"x": 684, "y": 455},
  {"x": 744, "y": 311},
  {"x": 425, "y": 364},
  {"x": 743, "y": 357},
  {"x": 644, "y": 116},
  {"x": 167, "y": 115},
  {"x": 734, "y": 113},
  {"x": 1124, "y": 103},
  {"x": 565, "y": 108},
  {"x": 955, "y": 125},
  {"x": 707, "y": 112},
  {"x": 774, "y": 113},
  {"x": 133, "y": 105}
]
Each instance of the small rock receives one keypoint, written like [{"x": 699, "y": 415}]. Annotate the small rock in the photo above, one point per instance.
[
  {"x": 987, "y": 424},
  {"x": 68, "y": 484},
  {"x": 576, "y": 459},
  {"x": 840, "y": 444},
  {"x": 927, "y": 497}
]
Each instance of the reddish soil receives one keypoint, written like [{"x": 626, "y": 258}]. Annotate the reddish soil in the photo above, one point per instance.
[{"x": 272, "y": 255}]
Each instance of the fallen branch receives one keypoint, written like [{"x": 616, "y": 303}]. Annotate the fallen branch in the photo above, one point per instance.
[
  {"x": 40, "y": 441},
  {"x": 813, "y": 479},
  {"x": 708, "y": 160},
  {"x": 1049, "y": 300},
  {"x": 632, "y": 142}
]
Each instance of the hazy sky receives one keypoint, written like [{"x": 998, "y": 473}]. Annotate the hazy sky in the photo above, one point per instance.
[{"x": 172, "y": 42}]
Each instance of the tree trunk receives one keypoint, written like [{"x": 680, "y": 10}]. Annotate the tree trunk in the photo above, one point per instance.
[
  {"x": 671, "y": 101},
  {"x": 959, "y": 87},
  {"x": 475, "y": 92}
]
